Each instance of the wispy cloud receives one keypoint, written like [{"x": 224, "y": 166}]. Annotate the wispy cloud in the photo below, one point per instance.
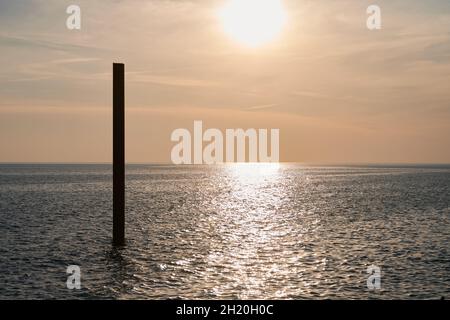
[
  {"x": 34, "y": 42},
  {"x": 168, "y": 80},
  {"x": 263, "y": 106},
  {"x": 52, "y": 69}
]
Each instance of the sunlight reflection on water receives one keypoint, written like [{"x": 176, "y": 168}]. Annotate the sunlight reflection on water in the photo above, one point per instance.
[{"x": 229, "y": 231}]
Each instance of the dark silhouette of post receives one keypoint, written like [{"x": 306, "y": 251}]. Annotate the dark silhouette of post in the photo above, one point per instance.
[{"x": 118, "y": 154}]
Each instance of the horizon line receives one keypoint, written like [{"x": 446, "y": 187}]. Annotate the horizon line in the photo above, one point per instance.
[{"x": 228, "y": 163}]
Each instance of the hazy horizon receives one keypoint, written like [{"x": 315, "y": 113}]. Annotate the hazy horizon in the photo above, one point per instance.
[{"x": 250, "y": 163}]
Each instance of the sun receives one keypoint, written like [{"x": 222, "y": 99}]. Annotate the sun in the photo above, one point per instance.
[{"x": 253, "y": 22}]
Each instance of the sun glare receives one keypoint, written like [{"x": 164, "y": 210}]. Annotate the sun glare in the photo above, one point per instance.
[{"x": 253, "y": 22}]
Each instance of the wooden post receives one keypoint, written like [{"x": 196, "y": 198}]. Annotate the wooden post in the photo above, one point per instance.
[{"x": 118, "y": 154}]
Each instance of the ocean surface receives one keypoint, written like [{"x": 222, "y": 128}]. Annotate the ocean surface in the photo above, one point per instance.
[{"x": 238, "y": 231}]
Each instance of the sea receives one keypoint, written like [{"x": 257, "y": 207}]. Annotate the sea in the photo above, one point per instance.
[{"x": 231, "y": 231}]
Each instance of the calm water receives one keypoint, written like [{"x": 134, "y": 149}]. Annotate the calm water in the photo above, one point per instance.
[{"x": 232, "y": 231}]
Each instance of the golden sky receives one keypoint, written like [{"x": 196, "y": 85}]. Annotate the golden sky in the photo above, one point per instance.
[{"x": 338, "y": 92}]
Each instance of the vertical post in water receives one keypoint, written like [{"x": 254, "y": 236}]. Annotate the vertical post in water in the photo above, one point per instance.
[{"x": 118, "y": 154}]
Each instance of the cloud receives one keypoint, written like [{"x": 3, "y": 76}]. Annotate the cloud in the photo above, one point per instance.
[
  {"x": 176, "y": 81},
  {"x": 263, "y": 106},
  {"x": 438, "y": 52},
  {"x": 53, "y": 69},
  {"x": 34, "y": 42}
]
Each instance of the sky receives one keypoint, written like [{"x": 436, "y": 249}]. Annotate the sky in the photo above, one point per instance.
[{"x": 338, "y": 92}]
